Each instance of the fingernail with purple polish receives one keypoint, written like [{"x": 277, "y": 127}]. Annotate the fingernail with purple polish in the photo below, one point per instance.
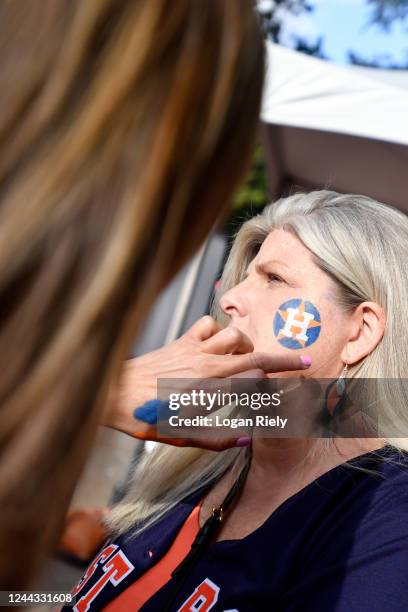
[
  {"x": 244, "y": 441},
  {"x": 306, "y": 360}
]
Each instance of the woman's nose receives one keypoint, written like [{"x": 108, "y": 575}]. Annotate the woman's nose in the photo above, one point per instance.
[{"x": 233, "y": 302}]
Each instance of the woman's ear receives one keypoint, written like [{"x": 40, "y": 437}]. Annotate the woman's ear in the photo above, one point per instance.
[{"x": 367, "y": 330}]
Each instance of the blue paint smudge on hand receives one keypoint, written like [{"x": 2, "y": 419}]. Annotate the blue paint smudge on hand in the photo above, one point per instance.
[{"x": 152, "y": 411}]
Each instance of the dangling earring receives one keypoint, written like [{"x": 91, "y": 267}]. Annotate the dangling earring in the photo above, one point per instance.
[
  {"x": 341, "y": 381},
  {"x": 334, "y": 403}
]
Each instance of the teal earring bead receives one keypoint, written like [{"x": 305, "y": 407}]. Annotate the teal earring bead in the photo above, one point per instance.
[
  {"x": 341, "y": 381},
  {"x": 340, "y": 386}
]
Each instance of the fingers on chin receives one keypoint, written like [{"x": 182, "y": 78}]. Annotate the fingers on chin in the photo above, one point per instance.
[{"x": 204, "y": 328}]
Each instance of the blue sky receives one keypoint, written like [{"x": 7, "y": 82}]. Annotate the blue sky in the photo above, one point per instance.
[{"x": 342, "y": 23}]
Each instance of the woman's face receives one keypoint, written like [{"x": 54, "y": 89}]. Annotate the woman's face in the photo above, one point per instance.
[{"x": 287, "y": 303}]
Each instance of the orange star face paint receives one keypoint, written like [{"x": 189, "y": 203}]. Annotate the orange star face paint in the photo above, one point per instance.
[{"x": 297, "y": 324}]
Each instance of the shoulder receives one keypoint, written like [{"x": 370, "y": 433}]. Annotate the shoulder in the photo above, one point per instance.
[
  {"x": 357, "y": 554},
  {"x": 386, "y": 494},
  {"x": 374, "y": 510},
  {"x": 365, "y": 504},
  {"x": 381, "y": 480},
  {"x": 387, "y": 479}
]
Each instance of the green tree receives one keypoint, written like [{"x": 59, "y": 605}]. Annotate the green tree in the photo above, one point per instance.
[
  {"x": 273, "y": 13},
  {"x": 253, "y": 193},
  {"x": 252, "y": 196},
  {"x": 384, "y": 61},
  {"x": 385, "y": 12}
]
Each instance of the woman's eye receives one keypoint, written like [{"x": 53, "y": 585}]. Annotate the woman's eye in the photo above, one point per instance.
[{"x": 273, "y": 278}]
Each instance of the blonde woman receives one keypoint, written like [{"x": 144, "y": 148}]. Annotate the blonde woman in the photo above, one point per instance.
[
  {"x": 308, "y": 531},
  {"x": 125, "y": 127}
]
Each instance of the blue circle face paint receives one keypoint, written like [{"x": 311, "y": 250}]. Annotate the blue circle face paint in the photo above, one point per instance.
[{"x": 297, "y": 324}]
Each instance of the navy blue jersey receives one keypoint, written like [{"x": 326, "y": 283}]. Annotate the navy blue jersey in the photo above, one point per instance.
[{"x": 339, "y": 544}]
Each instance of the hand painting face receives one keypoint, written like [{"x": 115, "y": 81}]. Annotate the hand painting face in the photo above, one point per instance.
[{"x": 287, "y": 303}]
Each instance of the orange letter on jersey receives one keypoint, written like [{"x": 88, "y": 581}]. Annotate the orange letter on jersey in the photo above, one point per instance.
[
  {"x": 115, "y": 570},
  {"x": 203, "y": 598}
]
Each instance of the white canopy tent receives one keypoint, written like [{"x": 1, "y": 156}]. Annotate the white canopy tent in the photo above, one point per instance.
[{"x": 343, "y": 128}]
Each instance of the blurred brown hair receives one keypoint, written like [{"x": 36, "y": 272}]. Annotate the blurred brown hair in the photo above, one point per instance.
[{"x": 125, "y": 127}]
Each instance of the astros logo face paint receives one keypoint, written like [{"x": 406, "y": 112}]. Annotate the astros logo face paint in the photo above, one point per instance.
[{"x": 297, "y": 324}]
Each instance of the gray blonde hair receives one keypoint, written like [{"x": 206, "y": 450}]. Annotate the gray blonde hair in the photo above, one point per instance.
[{"x": 362, "y": 245}]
